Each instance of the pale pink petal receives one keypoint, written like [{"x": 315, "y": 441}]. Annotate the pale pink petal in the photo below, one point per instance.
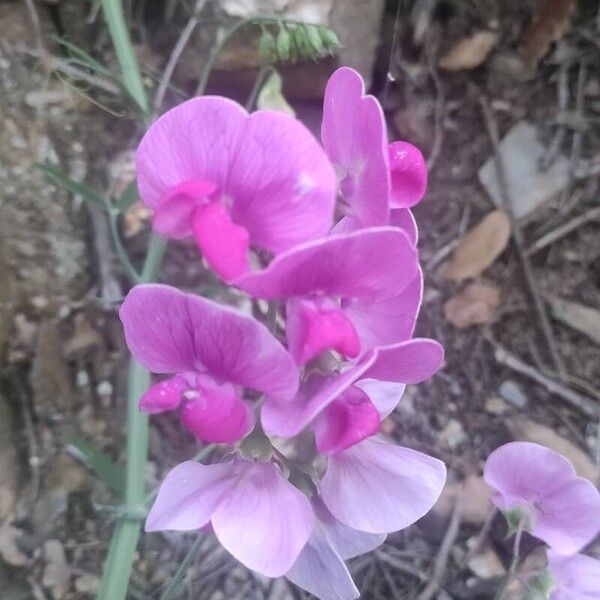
[
  {"x": 379, "y": 487},
  {"x": 370, "y": 263},
  {"x": 264, "y": 521},
  {"x": 385, "y": 395},
  {"x": 169, "y": 331},
  {"x": 281, "y": 183},
  {"x": 354, "y": 135},
  {"x": 164, "y": 395},
  {"x": 387, "y": 321},
  {"x": 321, "y": 571},
  {"x": 577, "y": 577},
  {"x": 409, "y": 175},
  {"x": 405, "y": 220},
  {"x": 189, "y": 495}
]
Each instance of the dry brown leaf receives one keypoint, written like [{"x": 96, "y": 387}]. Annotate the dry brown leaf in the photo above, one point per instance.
[
  {"x": 550, "y": 23},
  {"x": 479, "y": 248},
  {"x": 135, "y": 219},
  {"x": 529, "y": 431},
  {"x": 57, "y": 573},
  {"x": 475, "y": 305},
  {"x": 475, "y": 496},
  {"x": 469, "y": 52},
  {"x": 583, "y": 318}
]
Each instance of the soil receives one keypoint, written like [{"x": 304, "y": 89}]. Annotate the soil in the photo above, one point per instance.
[{"x": 62, "y": 350}]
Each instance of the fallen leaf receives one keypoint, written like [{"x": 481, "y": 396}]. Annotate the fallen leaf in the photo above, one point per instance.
[
  {"x": 135, "y": 219},
  {"x": 271, "y": 96},
  {"x": 57, "y": 573},
  {"x": 582, "y": 318},
  {"x": 475, "y": 496},
  {"x": 479, "y": 248},
  {"x": 9, "y": 549},
  {"x": 475, "y": 305},
  {"x": 549, "y": 24},
  {"x": 469, "y": 52},
  {"x": 528, "y": 431}
]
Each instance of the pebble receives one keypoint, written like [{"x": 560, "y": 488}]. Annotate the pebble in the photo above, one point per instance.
[{"x": 513, "y": 393}]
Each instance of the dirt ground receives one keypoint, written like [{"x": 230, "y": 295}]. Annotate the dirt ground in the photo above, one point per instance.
[{"x": 520, "y": 322}]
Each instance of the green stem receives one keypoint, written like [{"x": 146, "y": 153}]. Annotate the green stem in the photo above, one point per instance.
[
  {"x": 258, "y": 83},
  {"x": 183, "y": 567},
  {"x": 501, "y": 593},
  {"x": 122, "y": 255},
  {"x": 130, "y": 70}
]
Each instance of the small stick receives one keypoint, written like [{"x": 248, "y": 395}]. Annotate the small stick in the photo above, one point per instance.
[
  {"x": 586, "y": 405},
  {"x": 440, "y": 104},
  {"x": 563, "y": 101},
  {"x": 560, "y": 232},
  {"x": 175, "y": 55},
  {"x": 439, "y": 567},
  {"x": 517, "y": 236}
]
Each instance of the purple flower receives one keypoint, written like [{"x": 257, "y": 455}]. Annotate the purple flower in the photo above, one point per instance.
[
  {"x": 214, "y": 352},
  {"x": 374, "y": 177},
  {"x": 560, "y": 508},
  {"x": 233, "y": 180},
  {"x": 346, "y": 292},
  {"x": 320, "y": 567},
  {"x": 256, "y": 514},
  {"x": 574, "y": 577}
]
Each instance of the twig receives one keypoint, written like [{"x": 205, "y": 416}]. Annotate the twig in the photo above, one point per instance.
[
  {"x": 440, "y": 103},
  {"x": 111, "y": 289},
  {"x": 184, "y": 38},
  {"x": 559, "y": 136},
  {"x": 560, "y": 232},
  {"x": 586, "y": 405},
  {"x": 517, "y": 236},
  {"x": 483, "y": 533},
  {"x": 402, "y": 566},
  {"x": 439, "y": 567},
  {"x": 37, "y": 32}
]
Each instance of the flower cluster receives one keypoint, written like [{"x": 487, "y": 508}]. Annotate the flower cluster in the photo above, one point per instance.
[
  {"x": 325, "y": 235},
  {"x": 539, "y": 492}
]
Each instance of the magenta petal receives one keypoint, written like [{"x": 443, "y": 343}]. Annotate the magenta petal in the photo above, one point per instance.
[
  {"x": 189, "y": 494},
  {"x": 164, "y": 395},
  {"x": 169, "y": 331},
  {"x": 215, "y": 413},
  {"x": 346, "y": 421},
  {"x": 388, "y": 321},
  {"x": 321, "y": 571},
  {"x": 565, "y": 509},
  {"x": 369, "y": 264},
  {"x": 173, "y": 218},
  {"x": 576, "y": 577},
  {"x": 264, "y": 521},
  {"x": 409, "y": 175},
  {"x": 354, "y": 135},
  {"x": 384, "y": 395},
  {"x": 405, "y": 220},
  {"x": 379, "y": 487}
]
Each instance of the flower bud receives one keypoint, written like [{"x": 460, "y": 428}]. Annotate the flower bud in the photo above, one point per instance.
[
  {"x": 329, "y": 38},
  {"x": 267, "y": 47},
  {"x": 314, "y": 39},
  {"x": 283, "y": 44}
]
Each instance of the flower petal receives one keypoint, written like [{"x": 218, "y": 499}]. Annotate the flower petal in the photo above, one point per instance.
[
  {"x": 387, "y": 321},
  {"x": 405, "y": 220},
  {"x": 379, "y": 487},
  {"x": 321, "y": 571},
  {"x": 385, "y": 395},
  {"x": 354, "y": 265},
  {"x": 264, "y": 521},
  {"x": 169, "y": 331},
  {"x": 189, "y": 494},
  {"x": 409, "y": 175},
  {"x": 577, "y": 576},
  {"x": 354, "y": 135},
  {"x": 164, "y": 395}
]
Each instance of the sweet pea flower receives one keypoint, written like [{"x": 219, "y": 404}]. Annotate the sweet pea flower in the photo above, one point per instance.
[
  {"x": 320, "y": 568},
  {"x": 234, "y": 180},
  {"x": 214, "y": 353},
  {"x": 558, "y": 507},
  {"x": 343, "y": 290},
  {"x": 255, "y": 513},
  {"x": 378, "y": 182},
  {"x": 575, "y": 577}
]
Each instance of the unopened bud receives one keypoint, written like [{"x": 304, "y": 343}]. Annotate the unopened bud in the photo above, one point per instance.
[{"x": 283, "y": 44}]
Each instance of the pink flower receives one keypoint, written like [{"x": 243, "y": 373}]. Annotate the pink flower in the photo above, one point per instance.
[
  {"x": 562, "y": 509},
  {"x": 346, "y": 292},
  {"x": 574, "y": 577},
  {"x": 256, "y": 514},
  {"x": 374, "y": 177},
  {"x": 320, "y": 567},
  {"x": 233, "y": 180},
  {"x": 214, "y": 352}
]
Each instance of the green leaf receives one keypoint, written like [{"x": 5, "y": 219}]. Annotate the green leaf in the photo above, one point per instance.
[
  {"x": 128, "y": 197},
  {"x": 83, "y": 58},
  {"x": 75, "y": 187},
  {"x": 105, "y": 468},
  {"x": 270, "y": 96}
]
